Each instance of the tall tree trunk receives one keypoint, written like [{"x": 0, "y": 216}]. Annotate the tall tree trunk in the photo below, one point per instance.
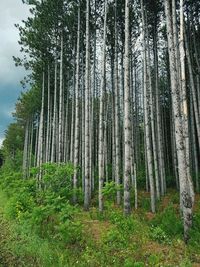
[
  {"x": 40, "y": 136},
  {"x": 158, "y": 117},
  {"x": 146, "y": 118},
  {"x": 87, "y": 115},
  {"x": 76, "y": 135},
  {"x": 117, "y": 112},
  {"x": 185, "y": 182},
  {"x": 152, "y": 114},
  {"x": 60, "y": 120},
  {"x": 53, "y": 149},
  {"x": 192, "y": 84},
  {"x": 48, "y": 118},
  {"x": 127, "y": 126},
  {"x": 101, "y": 115},
  {"x": 25, "y": 152}
]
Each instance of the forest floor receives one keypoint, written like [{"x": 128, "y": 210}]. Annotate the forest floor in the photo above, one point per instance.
[{"x": 108, "y": 239}]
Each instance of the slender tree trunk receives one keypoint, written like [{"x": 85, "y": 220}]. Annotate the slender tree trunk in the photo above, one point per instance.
[
  {"x": 101, "y": 115},
  {"x": 194, "y": 146},
  {"x": 87, "y": 115},
  {"x": 76, "y": 135},
  {"x": 53, "y": 149},
  {"x": 40, "y": 136},
  {"x": 158, "y": 117},
  {"x": 60, "y": 123},
  {"x": 36, "y": 141},
  {"x": 31, "y": 147},
  {"x": 146, "y": 118},
  {"x": 117, "y": 112},
  {"x": 185, "y": 182},
  {"x": 25, "y": 153},
  {"x": 127, "y": 126},
  {"x": 192, "y": 84},
  {"x": 152, "y": 114},
  {"x": 48, "y": 118}
]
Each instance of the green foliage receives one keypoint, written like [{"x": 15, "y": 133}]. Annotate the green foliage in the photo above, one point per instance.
[
  {"x": 166, "y": 219},
  {"x": 195, "y": 231},
  {"x": 131, "y": 263},
  {"x": 69, "y": 232},
  {"x": 115, "y": 238},
  {"x": 138, "y": 264},
  {"x": 154, "y": 260},
  {"x": 19, "y": 204},
  {"x": 12, "y": 148},
  {"x": 56, "y": 178},
  {"x": 144, "y": 203},
  {"x": 141, "y": 177},
  {"x": 13, "y": 163},
  {"x": 186, "y": 263},
  {"x": 51, "y": 232},
  {"x": 48, "y": 212},
  {"x": 157, "y": 234},
  {"x": 175, "y": 198},
  {"x": 110, "y": 189},
  {"x": 170, "y": 180}
]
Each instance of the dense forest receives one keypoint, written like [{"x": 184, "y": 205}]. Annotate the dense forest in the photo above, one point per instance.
[{"x": 101, "y": 166}]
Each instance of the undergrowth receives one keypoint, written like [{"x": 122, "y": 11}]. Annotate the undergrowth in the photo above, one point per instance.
[{"x": 43, "y": 227}]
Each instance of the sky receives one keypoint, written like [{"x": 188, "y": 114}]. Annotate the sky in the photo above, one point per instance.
[{"x": 11, "y": 12}]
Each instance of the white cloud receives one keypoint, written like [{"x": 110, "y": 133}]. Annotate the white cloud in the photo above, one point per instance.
[
  {"x": 11, "y": 12},
  {"x": 1, "y": 142}
]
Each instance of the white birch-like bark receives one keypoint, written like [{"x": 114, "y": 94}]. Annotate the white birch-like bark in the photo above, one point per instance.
[
  {"x": 76, "y": 134},
  {"x": 31, "y": 147},
  {"x": 47, "y": 156},
  {"x": 54, "y": 126},
  {"x": 117, "y": 112},
  {"x": 192, "y": 84},
  {"x": 60, "y": 120},
  {"x": 25, "y": 152},
  {"x": 158, "y": 119},
  {"x": 127, "y": 126},
  {"x": 185, "y": 182},
  {"x": 72, "y": 117},
  {"x": 184, "y": 104},
  {"x": 83, "y": 135},
  {"x": 40, "y": 136},
  {"x": 66, "y": 136},
  {"x": 146, "y": 117},
  {"x": 87, "y": 115},
  {"x": 151, "y": 103},
  {"x": 101, "y": 113},
  {"x": 194, "y": 146},
  {"x": 36, "y": 142}
]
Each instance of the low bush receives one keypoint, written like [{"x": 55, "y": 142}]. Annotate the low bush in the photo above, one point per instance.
[
  {"x": 166, "y": 219},
  {"x": 157, "y": 234},
  {"x": 48, "y": 213}
]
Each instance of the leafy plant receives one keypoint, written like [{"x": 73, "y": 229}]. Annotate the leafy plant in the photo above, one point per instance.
[
  {"x": 19, "y": 204},
  {"x": 115, "y": 239},
  {"x": 166, "y": 219},
  {"x": 110, "y": 189},
  {"x": 157, "y": 234}
]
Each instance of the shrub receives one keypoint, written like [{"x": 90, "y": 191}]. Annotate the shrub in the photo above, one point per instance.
[
  {"x": 157, "y": 234},
  {"x": 115, "y": 239},
  {"x": 69, "y": 231},
  {"x": 110, "y": 189},
  {"x": 166, "y": 219},
  {"x": 195, "y": 231},
  {"x": 19, "y": 204},
  {"x": 145, "y": 204}
]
